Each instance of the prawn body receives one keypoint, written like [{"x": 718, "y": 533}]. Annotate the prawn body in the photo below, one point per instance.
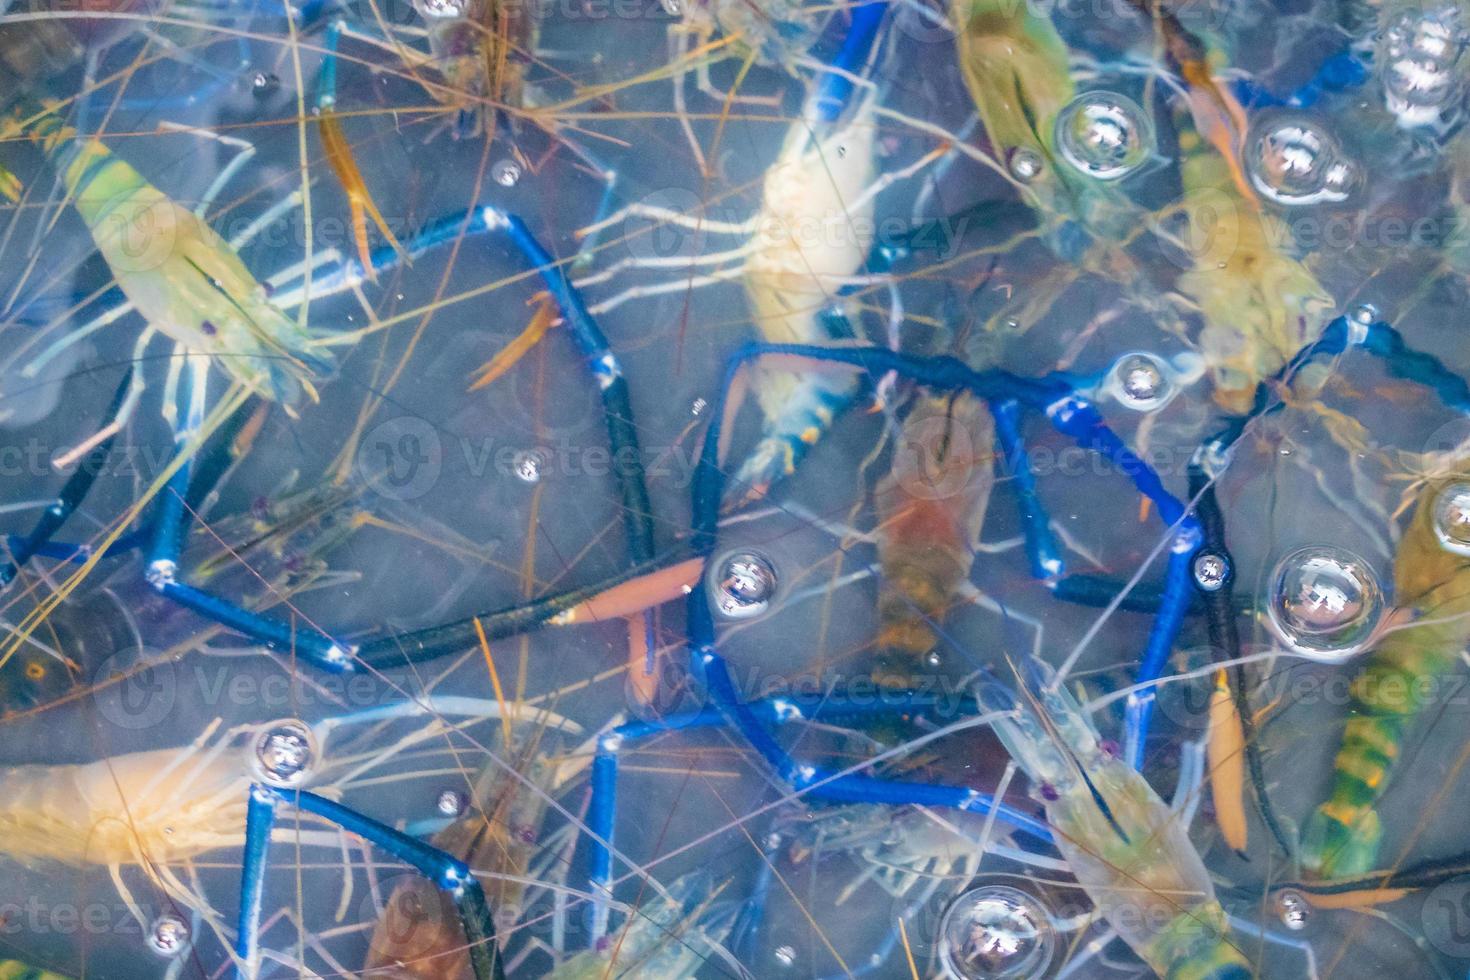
[
  {"x": 812, "y": 236},
  {"x": 157, "y": 807},
  {"x": 1016, "y": 68},
  {"x": 481, "y": 47},
  {"x": 1342, "y": 836},
  {"x": 1127, "y": 849},
  {"x": 1259, "y": 305},
  {"x": 930, "y": 508},
  {"x": 180, "y": 275}
]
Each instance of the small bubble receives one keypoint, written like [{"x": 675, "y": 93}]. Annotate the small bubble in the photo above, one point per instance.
[
  {"x": 527, "y": 466},
  {"x": 1141, "y": 382},
  {"x": 1293, "y": 160},
  {"x": 441, "y": 9},
  {"x": 744, "y": 585},
  {"x": 933, "y": 659},
  {"x": 1104, "y": 135},
  {"x": 1364, "y": 314},
  {"x": 996, "y": 932},
  {"x": 168, "y": 936},
  {"x": 785, "y": 955},
  {"x": 506, "y": 173},
  {"x": 263, "y": 84},
  {"x": 1325, "y": 602},
  {"x": 1452, "y": 518},
  {"x": 452, "y": 803},
  {"x": 284, "y": 753},
  {"x": 1210, "y": 571},
  {"x": 1294, "y": 910},
  {"x": 697, "y": 409},
  {"x": 1025, "y": 164}
]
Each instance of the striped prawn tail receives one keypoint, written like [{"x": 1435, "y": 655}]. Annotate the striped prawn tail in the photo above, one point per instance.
[{"x": 1342, "y": 837}]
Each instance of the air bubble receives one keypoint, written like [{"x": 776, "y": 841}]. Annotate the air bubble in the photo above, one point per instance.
[
  {"x": 1293, "y": 909},
  {"x": 263, "y": 84},
  {"x": 284, "y": 753},
  {"x": 1210, "y": 571},
  {"x": 1025, "y": 164},
  {"x": 168, "y": 936},
  {"x": 785, "y": 955},
  {"x": 1452, "y": 518},
  {"x": 1325, "y": 603},
  {"x": 506, "y": 173},
  {"x": 995, "y": 932},
  {"x": 1104, "y": 135},
  {"x": 1364, "y": 314},
  {"x": 1141, "y": 382},
  {"x": 527, "y": 466},
  {"x": 744, "y": 585},
  {"x": 1293, "y": 160},
  {"x": 452, "y": 803},
  {"x": 1419, "y": 51}
]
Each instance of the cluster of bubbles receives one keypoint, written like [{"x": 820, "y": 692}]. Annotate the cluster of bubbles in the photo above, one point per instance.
[
  {"x": 1293, "y": 160},
  {"x": 1104, "y": 135},
  {"x": 1419, "y": 51}
]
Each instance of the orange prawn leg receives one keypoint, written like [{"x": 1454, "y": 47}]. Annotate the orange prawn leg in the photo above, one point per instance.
[
  {"x": 359, "y": 201},
  {"x": 1226, "y": 753},
  {"x": 1366, "y": 898},
  {"x": 633, "y": 597},
  {"x": 541, "y": 321},
  {"x": 343, "y": 163}
]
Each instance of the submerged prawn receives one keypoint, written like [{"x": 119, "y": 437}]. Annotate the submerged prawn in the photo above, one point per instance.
[
  {"x": 162, "y": 808},
  {"x": 668, "y": 938},
  {"x": 497, "y": 834},
  {"x": 1127, "y": 849},
  {"x": 930, "y": 510},
  {"x": 1016, "y": 67},
  {"x": 808, "y": 241},
  {"x": 1342, "y": 836},
  {"x": 481, "y": 47},
  {"x": 185, "y": 280},
  {"x": 1259, "y": 304}
]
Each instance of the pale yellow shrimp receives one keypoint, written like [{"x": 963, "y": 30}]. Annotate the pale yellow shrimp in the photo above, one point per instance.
[{"x": 1127, "y": 849}]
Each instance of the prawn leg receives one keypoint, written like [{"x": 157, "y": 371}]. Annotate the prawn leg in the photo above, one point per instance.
[{"x": 344, "y": 164}]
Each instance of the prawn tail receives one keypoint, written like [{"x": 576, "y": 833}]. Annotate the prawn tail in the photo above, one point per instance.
[{"x": 802, "y": 417}]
